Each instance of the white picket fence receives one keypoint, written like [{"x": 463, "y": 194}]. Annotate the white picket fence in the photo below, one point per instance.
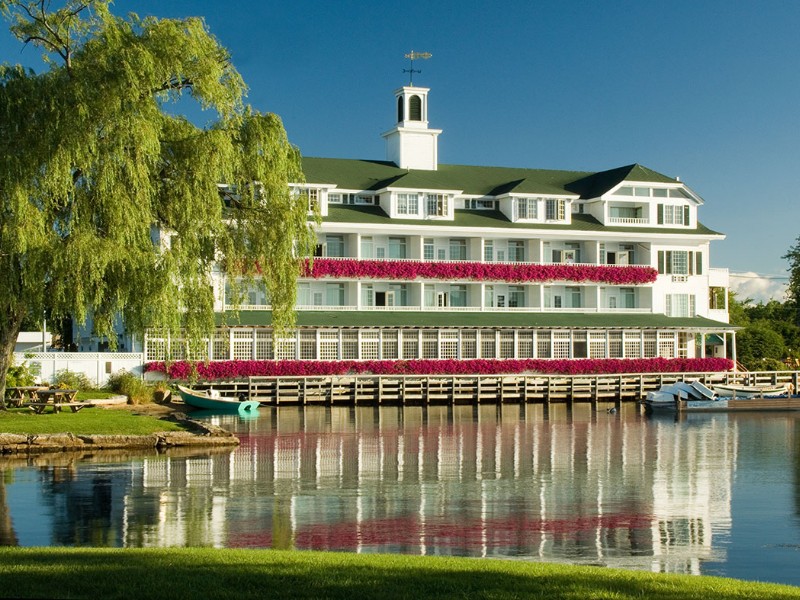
[{"x": 97, "y": 366}]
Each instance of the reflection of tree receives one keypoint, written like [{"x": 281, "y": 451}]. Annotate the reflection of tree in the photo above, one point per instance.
[
  {"x": 83, "y": 511},
  {"x": 8, "y": 536}
]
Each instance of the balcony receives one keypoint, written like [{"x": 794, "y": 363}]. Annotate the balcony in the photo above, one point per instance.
[
  {"x": 518, "y": 272},
  {"x": 627, "y": 221},
  {"x": 477, "y": 309}
]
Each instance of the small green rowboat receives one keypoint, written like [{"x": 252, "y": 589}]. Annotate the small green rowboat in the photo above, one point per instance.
[{"x": 213, "y": 401}]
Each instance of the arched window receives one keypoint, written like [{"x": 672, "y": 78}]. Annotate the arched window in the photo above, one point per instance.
[
  {"x": 414, "y": 108},
  {"x": 399, "y": 109}
]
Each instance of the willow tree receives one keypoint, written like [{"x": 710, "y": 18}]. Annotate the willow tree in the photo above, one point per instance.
[{"x": 95, "y": 159}]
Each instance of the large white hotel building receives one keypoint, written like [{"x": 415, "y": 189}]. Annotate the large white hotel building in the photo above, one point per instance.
[{"x": 418, "y": 259}]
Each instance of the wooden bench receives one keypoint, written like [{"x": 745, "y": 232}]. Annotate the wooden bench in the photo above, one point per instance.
[{"x": 38, "y": 407}]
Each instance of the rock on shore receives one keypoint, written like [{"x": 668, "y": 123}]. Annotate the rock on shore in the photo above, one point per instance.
[{"x": 198, "y": 434}]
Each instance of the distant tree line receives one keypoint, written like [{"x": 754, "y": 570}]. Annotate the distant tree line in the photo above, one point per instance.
[{"x": 770, "y": 338}]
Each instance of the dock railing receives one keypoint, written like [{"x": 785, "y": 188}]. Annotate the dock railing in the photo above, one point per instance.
[{"x": 477, "y": 389}]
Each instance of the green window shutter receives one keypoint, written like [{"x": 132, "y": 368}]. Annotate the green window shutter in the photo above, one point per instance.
[
  {"x": 660, "y": 214},
  {"x": 690, "y": 263},
  {"x": 699, "y": 259},
  {"x": 661, "y": 263},
  {"x": 686, "y": 215}
]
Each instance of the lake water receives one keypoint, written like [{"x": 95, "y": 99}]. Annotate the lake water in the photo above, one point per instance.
[{"x": 708, "y": 494}]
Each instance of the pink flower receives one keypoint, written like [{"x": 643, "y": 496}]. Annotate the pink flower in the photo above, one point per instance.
[
  {"x": 241, "y": 369},
  {"x": 350, "y": 268}
]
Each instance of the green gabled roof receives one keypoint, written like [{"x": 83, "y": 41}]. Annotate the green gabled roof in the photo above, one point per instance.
[
  {"x": 382, "y": 318},
  {"x": 372, "y": 175},
  {"x": 484, "y": 219},
  {"x": 597, "y": 184}
]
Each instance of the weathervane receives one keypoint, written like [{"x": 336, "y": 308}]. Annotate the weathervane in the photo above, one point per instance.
[{"x": 414, "y": 56}]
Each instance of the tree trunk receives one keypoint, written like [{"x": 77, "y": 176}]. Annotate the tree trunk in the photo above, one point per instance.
[
  {"x": 8, "y": 536},
  {"x": 9, "y": 330}
]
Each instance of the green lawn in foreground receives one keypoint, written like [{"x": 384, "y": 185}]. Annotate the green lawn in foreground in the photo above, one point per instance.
[
  {"x": 89, "y": 421},
  {"x": 175, "y": 574}
]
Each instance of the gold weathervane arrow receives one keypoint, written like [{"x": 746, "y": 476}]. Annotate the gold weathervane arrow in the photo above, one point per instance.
[{"x": 412, "y": 56}]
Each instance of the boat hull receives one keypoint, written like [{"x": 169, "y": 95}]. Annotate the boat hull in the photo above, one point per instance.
[
  {"x": 749, "y": 391},
  {"x": 216, "y": 403}
]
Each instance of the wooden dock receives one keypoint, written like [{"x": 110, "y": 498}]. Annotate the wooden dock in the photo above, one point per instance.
[{"x": 475, "y": 389}]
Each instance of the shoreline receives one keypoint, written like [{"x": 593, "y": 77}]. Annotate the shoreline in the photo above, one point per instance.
[{"x": 197, "y": 435}]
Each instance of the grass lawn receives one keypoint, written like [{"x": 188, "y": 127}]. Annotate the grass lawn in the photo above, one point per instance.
[
  {"x": 178, "y": 573},
  {"x": 89, "y": 421}
]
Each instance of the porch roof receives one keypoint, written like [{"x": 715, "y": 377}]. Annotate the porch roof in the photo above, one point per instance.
[{"x": 463, "y": 319}]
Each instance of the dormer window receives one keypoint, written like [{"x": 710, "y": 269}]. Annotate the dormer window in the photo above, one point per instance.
[
  {"x": 407, "y": 204},
  {"x": 527, "y": 208},
  {"x": 647, "y": 192},
  {"x": 436, "y": 205},
  {"x": 555, "y": 209}
]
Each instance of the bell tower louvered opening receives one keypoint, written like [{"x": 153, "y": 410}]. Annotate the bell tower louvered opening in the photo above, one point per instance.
[{"x": 415, "y": 108}]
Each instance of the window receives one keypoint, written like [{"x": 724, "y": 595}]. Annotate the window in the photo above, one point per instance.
[
  {"x": 367, "y": 247},
  {"x": 334, "y": 294},
  {"x": 367, "y": 295},
  {"x": 488, "y": 295},
  {"x": 303, "y": 294},
  {"x": 625, "y": 212},
  {"x": 680, "y": 305},
  {"x": 680, "y": 262},
  {"x": 573, "y": 297},
  {"x": 527, "y": 208},
  {"x": 458, "y": 249},
  {"x": 673, "y": 214},
  {"x": 407, "y": 204},
  {"x": 458, "y": 295},
  {"x": 628, "y": 296},
  {"x": 488, "y": 251},
  {"x": 516, "y": 250},
  {"x": 334, "y": 245},
  {"x": 312, "y": 194},
  {"x": 476, "y": 204},
  {"x": 398, "y": 294},
  {"x": 436, "y": 205},
  {"x": 555, "y": 209},
  {"x": 334, "y": 199},
  {"x": 516, "y": 296},
  {"x": 397, "y": 247},
  {"x": 427, "y": 249}
]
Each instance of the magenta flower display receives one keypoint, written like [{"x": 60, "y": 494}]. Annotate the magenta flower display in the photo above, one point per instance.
[
  {"x": 239, "y": 369},
  {"x": 350, "y": 268}
]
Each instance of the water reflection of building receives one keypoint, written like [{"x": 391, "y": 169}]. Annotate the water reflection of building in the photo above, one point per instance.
[{"x": 614, "y": 490}]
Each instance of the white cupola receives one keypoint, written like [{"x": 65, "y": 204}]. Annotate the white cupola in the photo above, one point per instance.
[{"x": 410, "y": 144}]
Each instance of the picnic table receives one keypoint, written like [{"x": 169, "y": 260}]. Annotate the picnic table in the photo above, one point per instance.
[
  {"x": 57, "y": 399},
  {"x": 16, "y": 396}
]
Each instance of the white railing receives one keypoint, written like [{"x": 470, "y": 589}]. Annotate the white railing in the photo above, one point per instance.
[
  {"x": 486, "y": 262},
  {"x": 628, "y": 221},
  {"x": 491, "y": 309}
]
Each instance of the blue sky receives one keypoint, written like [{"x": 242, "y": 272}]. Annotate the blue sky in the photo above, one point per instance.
[{"x": 704, "y": 90}]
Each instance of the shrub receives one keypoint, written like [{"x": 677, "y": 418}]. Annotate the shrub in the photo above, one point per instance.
[
  {"x": 128, "y": 384},
  {"x": 73, "y": 380},
  {"x": 19, "y": 375},
  {"x": 771, "y": 364}
]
